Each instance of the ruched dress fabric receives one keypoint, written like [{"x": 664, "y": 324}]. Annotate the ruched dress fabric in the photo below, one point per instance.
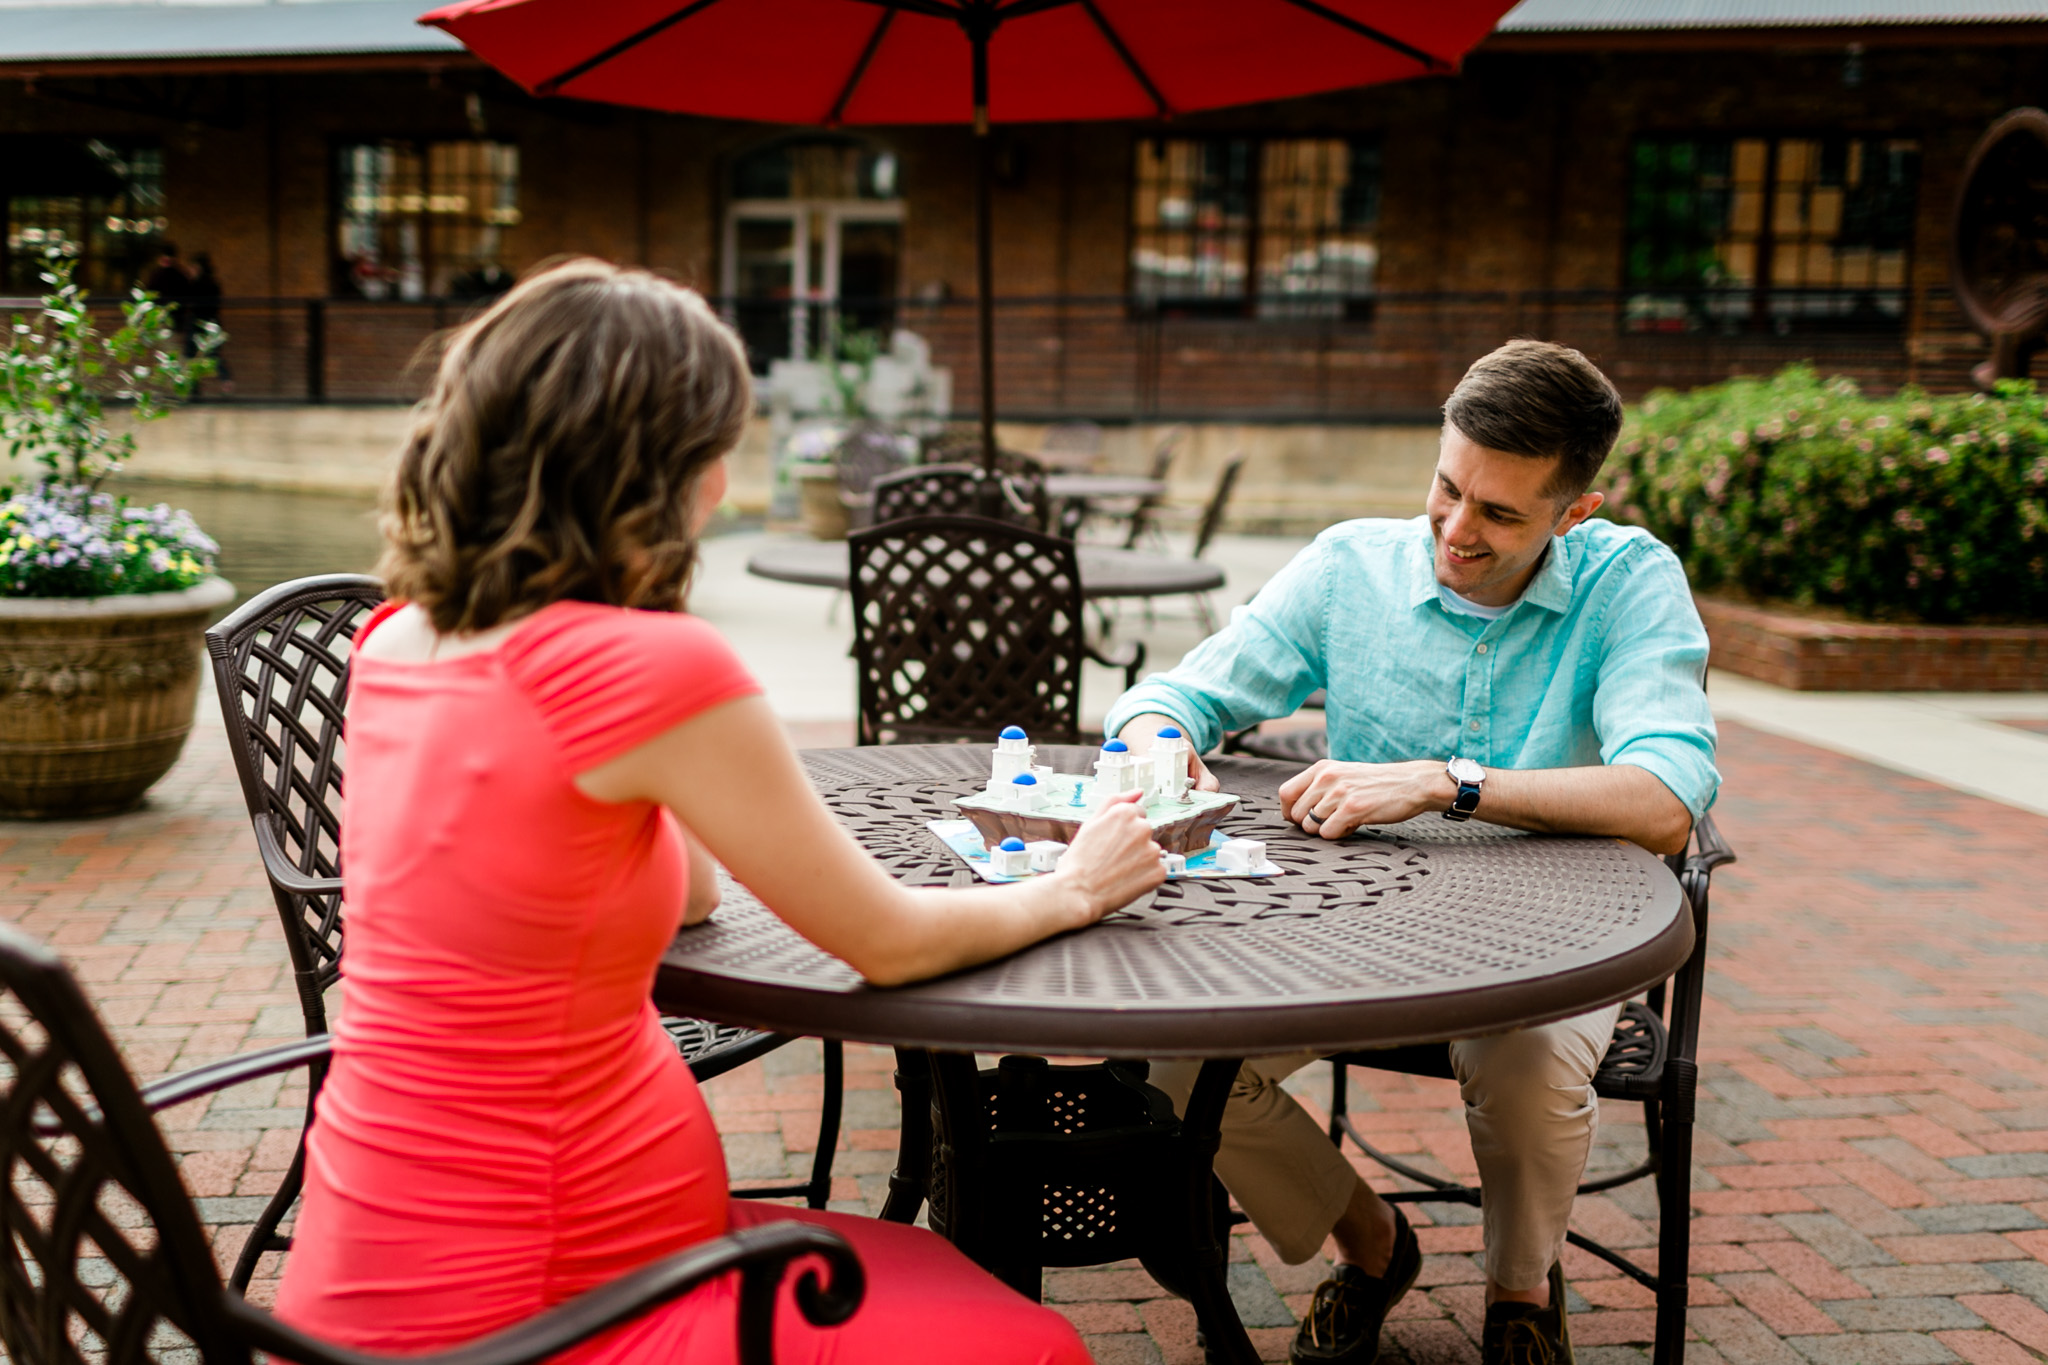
[{"x": 505, "y": 1125}]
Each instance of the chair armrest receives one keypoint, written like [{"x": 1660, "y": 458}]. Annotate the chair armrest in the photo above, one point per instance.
[
  {"x": 1710, "y": 850},
  {"x": 1129, "y": 656},
  {"x": 279, "y": 869},
  {"x": 761, "y": 1255},
  {"x": 205, "y": 1080}
]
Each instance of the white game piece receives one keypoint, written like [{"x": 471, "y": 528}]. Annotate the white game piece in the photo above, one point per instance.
[
  {"x": 1011, "y": 858},
  {"x": 1025, "y": 793},
  {"x": 1168, "y": 760},
  {"x": 1176, "y": 864},
  {"x": 1011, "y": 756},
  {"x": 1241, "y": 855},
  {"x": 1045, "y": 854},
  {"x": 1117, "y": 770}
]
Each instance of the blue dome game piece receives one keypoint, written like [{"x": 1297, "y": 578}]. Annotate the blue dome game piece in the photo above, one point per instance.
[
  {"x": 1011, "y": 732},
  {"x": 1024, "y": 780},
  {"x": 1011, "y": 845},
  {"x": 1169, "y": 733},
  {"x": 1116, "y": 746}
]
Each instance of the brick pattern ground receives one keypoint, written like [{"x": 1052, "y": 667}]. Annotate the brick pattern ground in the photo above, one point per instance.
[{"x": 1872, "y": 1177}]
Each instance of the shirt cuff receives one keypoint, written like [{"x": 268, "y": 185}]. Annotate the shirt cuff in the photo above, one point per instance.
[{"x": 1158, "y": 697}]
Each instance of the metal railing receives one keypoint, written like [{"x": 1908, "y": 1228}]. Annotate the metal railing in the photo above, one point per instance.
[{"x": 1391, "y": 358}]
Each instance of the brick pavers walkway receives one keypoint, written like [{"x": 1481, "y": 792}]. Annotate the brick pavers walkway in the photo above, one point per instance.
[{"x": 1872, "y": 1177}]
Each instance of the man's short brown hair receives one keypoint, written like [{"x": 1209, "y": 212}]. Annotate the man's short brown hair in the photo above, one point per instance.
[{"x": 1543, "y": 400}]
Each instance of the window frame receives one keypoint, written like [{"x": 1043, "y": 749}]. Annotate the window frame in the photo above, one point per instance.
[
  {"x": 430, "y": 260},
  {"x": 86, "y": 259},
  {"x": 1760, "y": 313},
  {"x": 1250, "y": 304}
]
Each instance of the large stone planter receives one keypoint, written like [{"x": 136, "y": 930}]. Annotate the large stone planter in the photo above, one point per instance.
[
  {"x": 817, "y": 490},
  {"x": 96, "y": 696}
]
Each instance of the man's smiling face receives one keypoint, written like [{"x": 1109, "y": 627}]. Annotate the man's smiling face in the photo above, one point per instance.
[{"x": 1491, "y": 515}]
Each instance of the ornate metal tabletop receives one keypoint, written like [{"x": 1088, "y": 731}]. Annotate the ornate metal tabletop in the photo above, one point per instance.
[
  {"x": 1410, "y": 933},
  {"x": 1105, "y": 572}
]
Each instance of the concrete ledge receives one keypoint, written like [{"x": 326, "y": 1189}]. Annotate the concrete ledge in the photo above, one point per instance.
[
  {"x": 1298, "y": 478},
  {"x": 1809, "y": 655}
]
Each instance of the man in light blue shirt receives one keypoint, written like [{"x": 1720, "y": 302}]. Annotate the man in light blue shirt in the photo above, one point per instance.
[{"x": 1505, "y": 657}]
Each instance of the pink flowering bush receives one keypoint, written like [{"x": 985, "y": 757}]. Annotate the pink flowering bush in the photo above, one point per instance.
[{"x": 1800, "y": 489}]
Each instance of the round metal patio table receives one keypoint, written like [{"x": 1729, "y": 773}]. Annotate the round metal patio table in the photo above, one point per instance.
[
  {"x": 1105, "y": 572},
  {"x": 1412, "y": 933}
]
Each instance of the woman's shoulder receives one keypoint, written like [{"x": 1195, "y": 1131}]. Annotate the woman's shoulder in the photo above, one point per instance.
[{"x": 605, "y": 675}]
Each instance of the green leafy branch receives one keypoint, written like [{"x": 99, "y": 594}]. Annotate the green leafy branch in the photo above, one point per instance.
[{"x": 59, "y": 370}]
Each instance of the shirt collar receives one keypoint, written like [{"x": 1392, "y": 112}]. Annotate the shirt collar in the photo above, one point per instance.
[{"x": 1550, "y": 589}]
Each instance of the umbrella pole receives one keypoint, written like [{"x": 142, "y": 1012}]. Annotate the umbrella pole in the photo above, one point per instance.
[{"x": 984, "y": 248}]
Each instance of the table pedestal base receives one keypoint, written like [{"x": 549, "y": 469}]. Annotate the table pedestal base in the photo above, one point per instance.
[{"x": 1028, "y": 1165}]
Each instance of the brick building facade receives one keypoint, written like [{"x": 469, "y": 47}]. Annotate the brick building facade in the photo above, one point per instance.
[{"x": 1137, "y": 270}]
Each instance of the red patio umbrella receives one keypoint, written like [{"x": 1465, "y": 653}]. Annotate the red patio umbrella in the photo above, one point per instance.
[{"x": 838, "y": 62}]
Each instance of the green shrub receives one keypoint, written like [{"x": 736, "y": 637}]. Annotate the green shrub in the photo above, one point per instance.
[{"x": 1800, "y": 489}]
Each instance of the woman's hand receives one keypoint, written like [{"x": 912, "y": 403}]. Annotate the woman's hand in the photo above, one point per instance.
[{"x": 1113, "y": 860}]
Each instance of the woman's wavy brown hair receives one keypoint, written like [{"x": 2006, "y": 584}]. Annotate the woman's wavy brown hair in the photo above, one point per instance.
[{"x": 557, "y": 455}]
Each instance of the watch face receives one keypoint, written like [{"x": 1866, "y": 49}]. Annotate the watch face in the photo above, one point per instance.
[{"x": 1465, "y": 770}]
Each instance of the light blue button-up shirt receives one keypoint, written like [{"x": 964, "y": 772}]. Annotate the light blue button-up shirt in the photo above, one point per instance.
[{"x": 1600, "y": 661}]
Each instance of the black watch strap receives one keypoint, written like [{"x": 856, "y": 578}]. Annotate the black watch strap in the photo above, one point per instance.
[{"x": 1466, "y": 801}]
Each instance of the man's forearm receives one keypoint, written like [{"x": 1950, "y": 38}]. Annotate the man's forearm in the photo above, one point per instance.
[
  {"x": 1332, "y": 799},
  {"x": 1618, "y": 799}
]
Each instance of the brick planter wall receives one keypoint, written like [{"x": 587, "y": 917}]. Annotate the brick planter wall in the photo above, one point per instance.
[{"x": 1841, "y": 656}]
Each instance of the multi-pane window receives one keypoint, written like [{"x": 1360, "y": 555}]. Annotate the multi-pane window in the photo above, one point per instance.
[
  {"x": 1279, "y": 227},
  {"x": 424, "y": 219},
  {"x": 99, "y": 203},
  {"x": 1783, "y": 233}
]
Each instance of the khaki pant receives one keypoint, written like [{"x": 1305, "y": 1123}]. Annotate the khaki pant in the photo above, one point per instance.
[{"x": 1530, "y": 1109}]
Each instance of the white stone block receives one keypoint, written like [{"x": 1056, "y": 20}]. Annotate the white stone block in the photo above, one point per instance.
[
  {"x": 1241, "y": 855},
  {"x": 1045, "y": 854},
  {"x": 1010, "y": 862},
  {"x": 1176, "y": 864}
]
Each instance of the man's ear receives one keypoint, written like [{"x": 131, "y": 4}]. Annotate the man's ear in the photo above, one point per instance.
[{"x": 1577, "y": 510}]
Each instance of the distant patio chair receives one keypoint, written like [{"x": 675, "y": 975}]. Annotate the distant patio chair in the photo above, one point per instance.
[
  {"x": 281, "y": 664},
  {"x": 963, "y": 625},
  {"x": 867, "y": 453},
  {"x": 953, "y": 490},
  {"x": 1142, "y": 512}
]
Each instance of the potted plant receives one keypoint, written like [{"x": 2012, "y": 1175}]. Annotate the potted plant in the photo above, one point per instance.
[{"x": 101, "y": 602}]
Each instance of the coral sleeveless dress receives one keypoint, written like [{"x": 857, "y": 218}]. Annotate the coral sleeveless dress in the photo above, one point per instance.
[{"x": 505, "y": 1125}]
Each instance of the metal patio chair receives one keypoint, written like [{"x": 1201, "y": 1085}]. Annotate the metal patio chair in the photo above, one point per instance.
[
  {"x": 109, "y": 1261},
  {"x": 963, "y": 625},
  {"x": 954, "y": 490},
  {"x": 1652, "y": 1059},
  {"x": 280, "y": 665}
]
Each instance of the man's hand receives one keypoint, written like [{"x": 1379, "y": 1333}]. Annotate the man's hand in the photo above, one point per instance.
[
  {"x": 1140, "y": 731},
  {"x": 1332, "y": 799}
]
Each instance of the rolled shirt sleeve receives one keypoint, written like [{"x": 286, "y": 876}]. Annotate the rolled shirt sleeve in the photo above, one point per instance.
[
  {"x": 1260, "y": 666},
  {"x": 1650, "y": 707}
]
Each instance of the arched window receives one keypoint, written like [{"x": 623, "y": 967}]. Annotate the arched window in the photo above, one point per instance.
[{"x": 813, "y": 243}]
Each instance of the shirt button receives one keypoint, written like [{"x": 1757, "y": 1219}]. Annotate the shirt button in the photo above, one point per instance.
[
  {"x": 1475, "y": 725},
  {"x": 1482, "y": 649}
]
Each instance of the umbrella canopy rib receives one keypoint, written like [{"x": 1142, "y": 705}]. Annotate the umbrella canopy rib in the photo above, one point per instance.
[
  {"x": 1345, "y": 21},
  {"x": 860, "y": 67},
  {"x": 1123, "y": 52},
  {"x": 626, "y": 44}
]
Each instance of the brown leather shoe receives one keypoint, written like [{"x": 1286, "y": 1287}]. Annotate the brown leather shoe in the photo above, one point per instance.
[
  {"x": 1343, "y": 1323},
  {"x": 1523, "y": 1334}
]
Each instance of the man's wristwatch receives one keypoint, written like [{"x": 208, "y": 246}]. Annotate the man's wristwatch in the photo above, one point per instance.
[{"x": 1469, "y": 776}]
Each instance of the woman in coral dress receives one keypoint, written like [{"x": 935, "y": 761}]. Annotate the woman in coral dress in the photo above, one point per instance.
[{"x": 542, "y": 749}]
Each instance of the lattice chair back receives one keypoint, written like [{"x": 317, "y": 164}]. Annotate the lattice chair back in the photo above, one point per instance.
[
  {"x": 866, "y": 454},
  {"x": 105, "y": 1258},
  {"x": 280, "y": 664},
  {"x": 963, "y": 625},
  {"x": 954, "y": 490},
  {"x": 933, "y": 490}
]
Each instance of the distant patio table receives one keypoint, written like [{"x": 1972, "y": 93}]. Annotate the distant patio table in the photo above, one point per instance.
[
  {"x": 1105, "y": 572},
  {"x": 1414, "y": 933},
  {"x": 1084, "y": 487}
]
